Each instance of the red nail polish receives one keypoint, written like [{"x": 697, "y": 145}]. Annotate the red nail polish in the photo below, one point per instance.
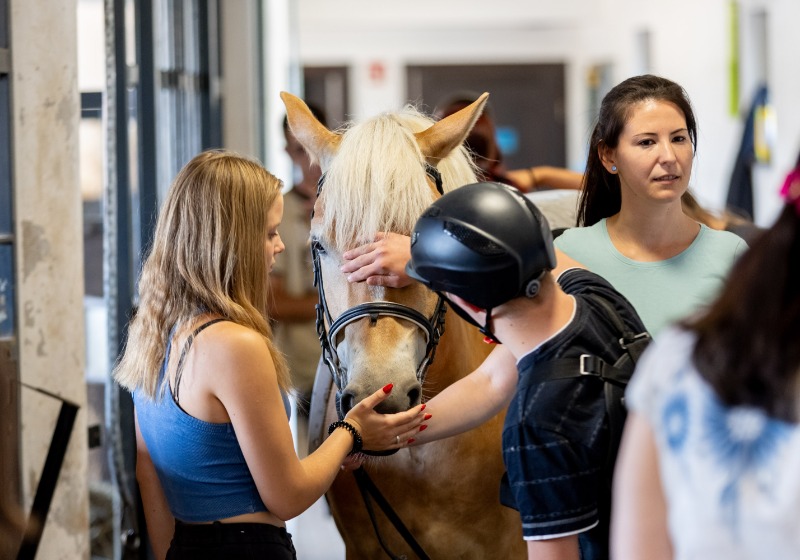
[
  {"x": 422, "y": 427},
  {"x": 388, "y": 387},
  {"x": 427, "y": 417},
  {"x": 410, "y": 441},
  {"x": 488, "y": 340},
  {"x": 421, "y": 408}
]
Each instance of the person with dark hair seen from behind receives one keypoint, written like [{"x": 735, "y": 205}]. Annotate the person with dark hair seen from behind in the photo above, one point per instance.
[
  {"x": 216, "y": 464},
  {"x": 709, "y": 465},
  {"x": 294, "y": 296},
  {"x": 488, "y": 251},
  {"x": 635, "y": 233},
  {"x": 482, "y": 144},
  {"x": 724, "y": 220}
]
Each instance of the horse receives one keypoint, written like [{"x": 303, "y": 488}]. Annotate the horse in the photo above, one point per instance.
[{"x": 380, "y": 175}]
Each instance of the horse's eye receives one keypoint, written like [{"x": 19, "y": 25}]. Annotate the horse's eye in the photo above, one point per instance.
[{"x": 317, "y": 246}]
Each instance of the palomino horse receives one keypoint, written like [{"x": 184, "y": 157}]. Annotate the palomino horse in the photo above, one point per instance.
[{"x": 379, "y": 176}]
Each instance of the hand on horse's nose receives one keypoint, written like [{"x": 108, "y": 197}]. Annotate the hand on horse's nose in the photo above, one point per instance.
[{"x": 399, "y": 400}]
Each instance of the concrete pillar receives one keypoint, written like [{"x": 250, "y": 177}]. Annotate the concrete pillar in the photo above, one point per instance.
[{"x": 48, "y": 233}]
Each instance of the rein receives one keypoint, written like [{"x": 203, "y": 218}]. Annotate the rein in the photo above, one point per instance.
[{"x": 367, "y": 488}]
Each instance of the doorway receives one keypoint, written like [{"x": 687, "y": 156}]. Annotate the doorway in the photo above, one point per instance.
[{"x": 526, "y": 102}]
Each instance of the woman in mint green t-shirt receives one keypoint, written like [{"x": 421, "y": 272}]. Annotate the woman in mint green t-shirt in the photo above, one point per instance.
[{"x": 635, "y": 232}]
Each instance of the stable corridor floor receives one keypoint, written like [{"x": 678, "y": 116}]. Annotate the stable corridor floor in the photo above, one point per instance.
[{"x": 314, "y": 533}]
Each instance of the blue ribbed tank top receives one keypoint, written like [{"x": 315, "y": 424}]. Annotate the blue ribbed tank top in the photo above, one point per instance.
[{"x": 200, "y": 464}]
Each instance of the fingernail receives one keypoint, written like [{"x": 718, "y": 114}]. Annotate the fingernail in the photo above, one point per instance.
[
  {"x": 427, "y": 417},
  {"x": 422, "y": 407},
  {"x": 488, "y": 340},
  {"x": 388, "y": 387},
  {"x": 410, "y": 441},
  {"x": 423, "y": 427}
]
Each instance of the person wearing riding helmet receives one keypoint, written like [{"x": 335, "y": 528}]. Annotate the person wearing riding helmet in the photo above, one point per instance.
[{"x": 489, "y": 252}]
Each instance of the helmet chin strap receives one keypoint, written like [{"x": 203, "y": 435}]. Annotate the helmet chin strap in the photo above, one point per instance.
[{"x": 486, "y": 330}]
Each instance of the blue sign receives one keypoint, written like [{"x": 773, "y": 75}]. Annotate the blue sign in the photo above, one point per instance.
[
  {"x": 507, "y": 140},
  {"x": 6, "y": 291}
]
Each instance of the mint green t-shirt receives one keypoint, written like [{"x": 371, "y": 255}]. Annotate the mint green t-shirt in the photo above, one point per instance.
[{"x": 665, "y": 291}]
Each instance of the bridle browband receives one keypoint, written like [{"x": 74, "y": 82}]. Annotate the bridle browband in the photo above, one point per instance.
[{"x": 432, "y": 327}]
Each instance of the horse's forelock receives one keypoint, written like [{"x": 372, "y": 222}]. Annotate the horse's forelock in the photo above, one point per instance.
[{"x": 376, "y": 182}]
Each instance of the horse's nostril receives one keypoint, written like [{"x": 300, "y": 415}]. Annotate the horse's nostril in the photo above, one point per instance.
[
  {"x": 413, "y": 397},
  {"x": 347, "y": 402}
]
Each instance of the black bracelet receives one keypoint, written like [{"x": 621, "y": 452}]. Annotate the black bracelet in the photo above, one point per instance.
[{"x": 349, "y": 427}]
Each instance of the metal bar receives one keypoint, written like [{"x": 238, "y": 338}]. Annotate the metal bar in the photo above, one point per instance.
[
  {"x": 11, "y": 502},
  {"x": 5, "y": 62},
  {"x": 117, "y": 283},
  {"x": 208, "y": 87},
  {"x": 148, "y": 139}
]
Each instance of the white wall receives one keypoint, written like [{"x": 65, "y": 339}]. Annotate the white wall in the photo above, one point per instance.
[{"x": 690, "y": 44}]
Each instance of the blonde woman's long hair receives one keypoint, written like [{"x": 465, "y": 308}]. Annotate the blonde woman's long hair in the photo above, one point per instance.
[{"x": 208, "y": 256}]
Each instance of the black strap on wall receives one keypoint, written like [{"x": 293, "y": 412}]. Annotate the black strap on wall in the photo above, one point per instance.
[{"x": 50, "y": 472}]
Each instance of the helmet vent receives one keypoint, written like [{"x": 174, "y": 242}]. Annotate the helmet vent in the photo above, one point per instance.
[{"x": 474, "y": 240}]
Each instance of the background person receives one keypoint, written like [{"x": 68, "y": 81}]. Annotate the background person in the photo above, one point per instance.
[
  {"x": 724, "y": 220},
  {"x": 486, "y": 152},
  {"x": 216, "y": 463},
  {"x": 710, "y": 461},
  {"x": 635, "y": 233},
  {"x": 294, "y": 296}
]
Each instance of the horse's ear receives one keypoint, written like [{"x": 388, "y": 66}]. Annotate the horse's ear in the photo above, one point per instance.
[
  {"x": 319, "y": 142},
  {"x": 447, "y": 134}
]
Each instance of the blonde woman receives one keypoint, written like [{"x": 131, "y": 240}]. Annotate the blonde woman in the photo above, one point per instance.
[{"x": 216, "y": 463}]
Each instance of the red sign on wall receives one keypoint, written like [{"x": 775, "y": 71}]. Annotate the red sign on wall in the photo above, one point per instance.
[{"x": 377, "y": 72}]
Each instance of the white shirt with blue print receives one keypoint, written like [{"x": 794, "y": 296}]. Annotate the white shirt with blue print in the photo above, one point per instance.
[{"x": 731, "y": 475}]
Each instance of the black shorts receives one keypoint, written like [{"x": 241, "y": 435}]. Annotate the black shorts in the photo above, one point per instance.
[{"x": 236, "y": 541}]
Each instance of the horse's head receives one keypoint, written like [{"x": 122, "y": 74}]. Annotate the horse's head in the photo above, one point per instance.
[{"x": 378, "y": 175}]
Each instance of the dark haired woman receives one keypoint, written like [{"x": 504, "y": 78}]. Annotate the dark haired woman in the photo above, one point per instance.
[{"x": 636, "y": 233}]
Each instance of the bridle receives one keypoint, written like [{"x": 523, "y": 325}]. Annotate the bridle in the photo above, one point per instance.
[{"x": 432, "y": 327}]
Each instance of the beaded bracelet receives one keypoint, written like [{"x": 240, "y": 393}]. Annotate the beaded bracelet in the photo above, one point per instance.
[{"x": 349, "y": 427}]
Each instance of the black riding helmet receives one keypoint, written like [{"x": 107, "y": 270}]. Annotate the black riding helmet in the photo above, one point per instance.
[{"x": 484, "y": 242}]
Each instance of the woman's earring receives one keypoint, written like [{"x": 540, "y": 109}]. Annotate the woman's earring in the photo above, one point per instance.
[{"x": 614, "y": 168}]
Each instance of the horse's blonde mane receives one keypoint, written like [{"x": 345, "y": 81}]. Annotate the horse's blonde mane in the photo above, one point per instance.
[{"x": 377, "y": 180}]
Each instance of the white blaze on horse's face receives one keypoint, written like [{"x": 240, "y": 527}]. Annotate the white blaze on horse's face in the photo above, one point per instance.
[
  {"x": 375, "y": 351},
  {"x": 355, "y": 203}
]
